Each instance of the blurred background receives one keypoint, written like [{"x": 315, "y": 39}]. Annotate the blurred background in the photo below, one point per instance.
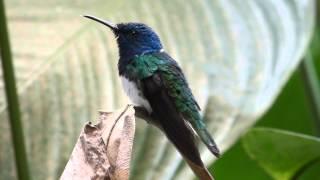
[{"x": 254, "y": 67}]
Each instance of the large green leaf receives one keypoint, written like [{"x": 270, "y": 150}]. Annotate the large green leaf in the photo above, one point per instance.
[
  {"x": 282, "y": 154},
  {"x": 292, "y": 111},
  {"x": 236, "y": 54}
]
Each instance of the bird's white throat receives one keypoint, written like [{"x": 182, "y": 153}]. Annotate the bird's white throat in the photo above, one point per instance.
[{"x": 135, "y": 95}]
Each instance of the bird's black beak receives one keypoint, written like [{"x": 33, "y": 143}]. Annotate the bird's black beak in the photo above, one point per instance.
[{"x": 111, "y": 25}]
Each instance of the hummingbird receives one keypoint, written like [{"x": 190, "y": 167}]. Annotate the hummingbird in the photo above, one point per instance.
[{"x": 152, "y": 79}]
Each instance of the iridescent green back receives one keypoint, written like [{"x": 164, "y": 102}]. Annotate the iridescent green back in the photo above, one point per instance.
[{"x": 173, "y": 81}]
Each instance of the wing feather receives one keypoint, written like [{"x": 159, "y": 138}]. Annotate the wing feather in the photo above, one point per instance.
[{"x": 173, "y": 125}]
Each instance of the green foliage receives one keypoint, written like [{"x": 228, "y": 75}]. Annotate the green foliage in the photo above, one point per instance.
[
  {"x": 282, "y": 154},
  {"x": 294, "y": 110},
  {"x": 290, "y": 112}
]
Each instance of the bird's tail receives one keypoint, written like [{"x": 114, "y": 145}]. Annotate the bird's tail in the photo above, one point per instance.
[
  {"x": 180, "y": 134},
  {"x": 207, "y": 139},
  {"x": 175, "y": 127},
  {"x": 182, "y": 137}
]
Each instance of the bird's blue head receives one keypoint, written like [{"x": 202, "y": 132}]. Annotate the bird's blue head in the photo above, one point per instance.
[{"x": 133, "y": 39}]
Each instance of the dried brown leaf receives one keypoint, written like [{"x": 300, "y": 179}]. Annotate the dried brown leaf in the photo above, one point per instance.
[{"x": 103, "y": 151}]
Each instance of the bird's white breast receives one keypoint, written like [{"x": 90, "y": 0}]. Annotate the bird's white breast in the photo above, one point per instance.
[{"x": 135, "y": 94}]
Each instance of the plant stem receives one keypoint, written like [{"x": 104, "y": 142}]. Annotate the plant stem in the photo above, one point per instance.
[
  {"x": 303, "y": 169},
  {"x": 12, "y": 99},
  {"x": 312, "y": 88}
]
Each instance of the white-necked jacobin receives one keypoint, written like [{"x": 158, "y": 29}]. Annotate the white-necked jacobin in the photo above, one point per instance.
[{"x": 154, "y": 80}]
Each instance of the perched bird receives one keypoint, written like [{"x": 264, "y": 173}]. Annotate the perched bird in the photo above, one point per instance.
[{"x": 154, "y": 80}]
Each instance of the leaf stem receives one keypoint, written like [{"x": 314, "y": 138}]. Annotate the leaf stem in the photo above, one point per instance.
[
  {"x": 300, "y": 172},
  {"x": 12, "y": 99},
  {"x": 312, "y": 88}
]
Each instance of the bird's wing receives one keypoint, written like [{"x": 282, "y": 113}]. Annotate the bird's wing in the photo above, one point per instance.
[
  {"x": 171, "y": 122},
  {"x": 154, "y": 82},
  {"x": 174, "y": 83},
  {"x": 178, "y": 89}
]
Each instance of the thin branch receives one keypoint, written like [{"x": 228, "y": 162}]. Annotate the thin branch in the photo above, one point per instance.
[
  {"x": 12, "y": 99},
  {"x": 143, "y": 114},
  {"x": 114, "y": 125}
]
